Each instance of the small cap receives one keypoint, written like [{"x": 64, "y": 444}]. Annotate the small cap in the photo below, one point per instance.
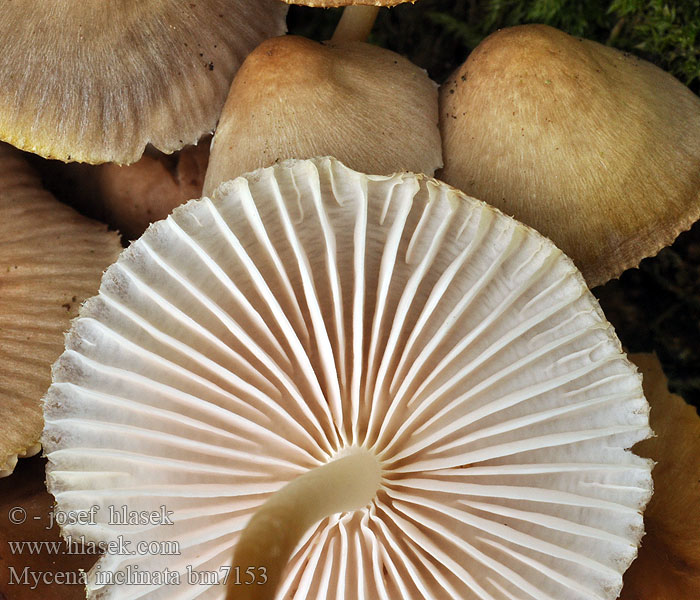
[
  {"x": 51, "y": 259},
  {"x": 308, "y": 310},
  {"x": 595, "y": 148},
  {"x": 95, "y": 82},
  {"x": 295, "y": 98},
  {"x": 668, "y": 565},
  {"x": 129, "y": 198}
]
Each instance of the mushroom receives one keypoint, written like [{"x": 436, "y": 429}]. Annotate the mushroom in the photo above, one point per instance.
[
  {"x": 595, "y": 148},
  {"x": 51, "y": 259},
  {"x": 309, "y": 320},
  {"x": 295, "y": 98},
  {"x": 130, "y": 197},
  {"x": 95, "y": 82},
  {"x": 668, "y": 566},
  {"x": 135, "y": 196}
]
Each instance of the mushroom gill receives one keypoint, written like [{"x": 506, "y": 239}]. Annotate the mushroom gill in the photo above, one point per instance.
[{"x": 308, "y": 316}]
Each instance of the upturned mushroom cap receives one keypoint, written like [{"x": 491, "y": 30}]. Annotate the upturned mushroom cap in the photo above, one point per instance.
[
  {"x": 668, "y": 566},
  {"x": 295, "y": 98},
  {"x": 595, "y": 148},
  {"x": 308, "y": 311},
  {"x": 95, "y": 82},
  {"x": 51, "y": 259}
]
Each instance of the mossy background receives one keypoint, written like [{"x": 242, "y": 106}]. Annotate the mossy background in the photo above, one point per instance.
[{"x": 657, "y": 306}]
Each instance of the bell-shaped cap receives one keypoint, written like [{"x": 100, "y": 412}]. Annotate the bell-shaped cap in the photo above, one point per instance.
[
  {"x": 668, "y": 565},
  {"x": 51, "y": 259},
  {"x": 595, "y": 148},
  {"x": 295, "y": 98},
  {"x": 307, "y": 310},
  {"x": 95, "y": 82}
]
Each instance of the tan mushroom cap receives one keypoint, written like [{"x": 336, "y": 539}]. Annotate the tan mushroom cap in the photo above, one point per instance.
[
  {"x": 80, "y": 81},
  {"x": 307, "y": 315},
  {"x": 338, "y": 3},
  {"x": 295, "y": 98},
  {"x": 51, "y": 259},
  {"x": 595, "y": 148},
  {"x": 131, "y": 197},
  {"x": 668, "y": 566}
]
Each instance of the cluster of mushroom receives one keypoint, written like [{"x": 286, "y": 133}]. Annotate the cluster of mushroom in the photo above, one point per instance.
[{"x": 370, "y": 383}]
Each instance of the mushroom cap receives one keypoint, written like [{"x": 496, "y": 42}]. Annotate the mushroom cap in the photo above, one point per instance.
[
  {"x": 596, "y": 148},
  {"x": 668, "y": 565},
  {"x": 131, "y": 197},
  {"x": 295, "y": 98},
  {"x": 95, "y": 82},
  {"x": 135, "y": 196},
  {"x": 307, "y": 310},
  {"x": 51, "y": 259}
]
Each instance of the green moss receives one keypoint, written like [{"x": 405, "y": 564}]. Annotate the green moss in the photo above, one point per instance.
[{"x": 666, "y": 33}]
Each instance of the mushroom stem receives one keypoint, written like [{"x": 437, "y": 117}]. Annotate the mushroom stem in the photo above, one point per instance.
[
  {"x": 345, "y": 484},
  {"x": 355, "y": 24}
]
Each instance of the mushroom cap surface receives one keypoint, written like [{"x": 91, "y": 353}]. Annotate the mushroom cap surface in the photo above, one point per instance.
[
  {"x": 51, "y": 259},
  {"x": 295, "y": 98},
  {"x": 595, "y": 148},
  {"x": 668, "y": 565},
  {"x": 95, "y": 82},
  {"x": 306, "y": 310},
  {"x": 131, "y": 197}
]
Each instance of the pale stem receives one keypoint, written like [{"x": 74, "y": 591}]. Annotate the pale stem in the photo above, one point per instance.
[
  {"x": 345, "y": 484},
  {"x": 355, "y": 24}
]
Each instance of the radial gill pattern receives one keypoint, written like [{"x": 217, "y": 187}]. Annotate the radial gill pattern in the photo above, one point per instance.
[{"x": 307, "y": 309}]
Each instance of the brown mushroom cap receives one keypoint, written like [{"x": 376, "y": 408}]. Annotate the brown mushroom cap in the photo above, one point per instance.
[
  {"x": 668, "y": 565},
  {"x": 131, "y": 197},
  {"x": 87, "y": 82},
  {"x": 51, "y": 259},
  {"x": 135, "y": 196},
  {"x": 595, "y": 148},
  {"x": 295, "y": 98}
]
